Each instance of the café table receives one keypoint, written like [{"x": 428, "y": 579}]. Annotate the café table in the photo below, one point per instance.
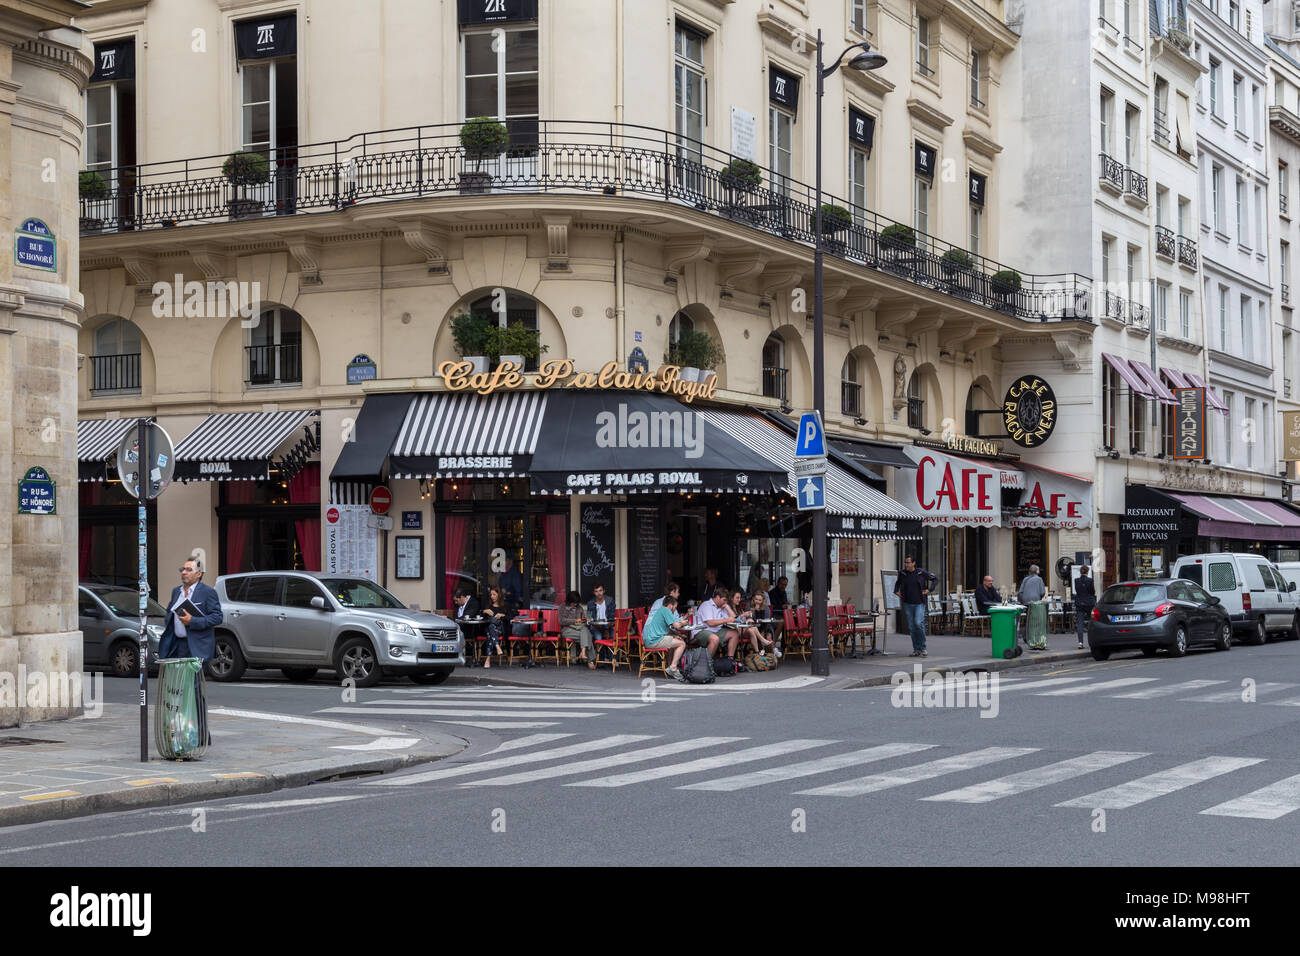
[{"x": 473, "y": 628}]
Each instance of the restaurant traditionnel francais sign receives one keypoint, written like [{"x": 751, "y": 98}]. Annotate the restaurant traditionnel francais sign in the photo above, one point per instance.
[{"x": 559, "y": 373}]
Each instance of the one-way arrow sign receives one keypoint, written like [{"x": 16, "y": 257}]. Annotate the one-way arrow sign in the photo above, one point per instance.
[{"x": 812, "y": 494}]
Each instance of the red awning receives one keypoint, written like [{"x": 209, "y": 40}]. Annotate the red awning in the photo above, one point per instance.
[
  {"x": 1130, "y": 377},
  {"x": 1152, "y": 379},
  {"x": 1176, "y": 378}
]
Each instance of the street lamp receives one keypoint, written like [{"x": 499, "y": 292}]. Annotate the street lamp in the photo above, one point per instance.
[{"x": 865, "y": 59}]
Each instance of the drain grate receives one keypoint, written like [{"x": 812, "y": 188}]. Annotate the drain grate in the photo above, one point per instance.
[
  {"x": 349, "y": 775},
  {"x": 24, "y": 741}
]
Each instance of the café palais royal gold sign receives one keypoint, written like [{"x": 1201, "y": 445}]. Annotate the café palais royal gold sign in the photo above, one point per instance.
[{"x": 559, "y": 373}]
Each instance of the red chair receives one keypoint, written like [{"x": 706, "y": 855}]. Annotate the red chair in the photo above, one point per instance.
[
  {"x": 546, "y": 641},
  {"x": 635, "y": 647},
  {"x": 618, "y": 642},
  {"x": 796, "y": 634}
]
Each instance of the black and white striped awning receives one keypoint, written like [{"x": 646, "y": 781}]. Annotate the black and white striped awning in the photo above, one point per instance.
[
  {"x": 97, "y": 442},
  {"x": 468, "y": 436},
  {"x": 853, "y": 508},
  {"x": 236, "y": 446},
  {"x": 350, "y": 492}
]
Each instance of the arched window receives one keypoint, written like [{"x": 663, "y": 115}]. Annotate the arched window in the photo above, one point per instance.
[
  {"x": 520, "y": 311},
  {"x": 274, "y": 349},
  {"x": 115, "y": 364},
  {"x": 977, "y": 399},
  {"x": 915, "y": 403},
  {"x": 775, "y": 374},
  {"x": 850, "y": 390},
  {"x": 679, "y": 326}
]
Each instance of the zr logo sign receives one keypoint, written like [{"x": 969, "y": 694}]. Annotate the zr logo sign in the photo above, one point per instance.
[
  {"x": 494, "y": 6},
  {"x": 266, "y": 34},
  {"x": 107, "y": 59},
  {"x": 780, "y": 87},
  {"x": 860, "y": 128}
]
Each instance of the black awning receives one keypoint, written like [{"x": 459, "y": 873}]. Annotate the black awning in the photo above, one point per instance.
[
  {"x": 626, "y": 443},
  {"x": 871, "y": 453},
  {"x": 237, "y": 446},
  {"x": 367, "y": 443},
  {"x": 114, "y": 61},
  {"x": 266, "y": 37}
]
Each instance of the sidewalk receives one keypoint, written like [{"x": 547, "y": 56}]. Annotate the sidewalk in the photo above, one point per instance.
[
  {"x": 947, "y": 652},
  {"x": 72, "y": 768}
]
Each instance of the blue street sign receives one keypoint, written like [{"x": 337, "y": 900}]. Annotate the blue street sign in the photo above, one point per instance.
[
  {"x": 811, "y": 440},
  {"x": 812, "y": 494}
]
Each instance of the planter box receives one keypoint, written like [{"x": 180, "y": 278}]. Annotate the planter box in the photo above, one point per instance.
[
  {"x": 479, "y": 362},
  {"x": 473, "y": 183},
  {"x": 689, "y": 374},
  {"x": 517, "y": 359},
  {"x": 244, "y": 208}
]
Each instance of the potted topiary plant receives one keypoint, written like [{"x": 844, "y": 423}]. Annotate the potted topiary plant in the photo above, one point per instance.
[
  {"x": 1005, "y": 283},
  {"x": 834, "y": 219},
  {"x": 739, "y": 179},
  {"x": 473, "y": 335},
  {"x": 956, "y": 260},
  {"x": 515, "y": 343},
  {"x": 91, "y": 187},
  {"x": 243, "y": 169},
  {"x": 696, "y": 354},
  {"x": 898, "y": 237},
  {"x": 481, "y": 138}
]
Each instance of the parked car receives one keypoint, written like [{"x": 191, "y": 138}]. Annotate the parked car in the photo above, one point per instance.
[
  {"x": 1290, "y": 571},
  {"x": 1154, "y": 613},
  {"x": 1259, "y": 601},
  {"x": 301, "y": 621},
  {"x": 109, "y": 618}
]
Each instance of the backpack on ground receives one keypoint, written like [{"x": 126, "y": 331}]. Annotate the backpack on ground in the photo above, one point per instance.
[
  {"x": 697, "y": 666},
  {"x": 726, "y": 667},
  {"x": 759, "y": 662}
]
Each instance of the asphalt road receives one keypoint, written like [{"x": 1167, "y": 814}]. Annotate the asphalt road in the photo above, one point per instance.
[{"x": 1134, "y": 761}]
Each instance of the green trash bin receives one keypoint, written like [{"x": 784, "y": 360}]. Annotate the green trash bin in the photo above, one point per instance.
[
  {"x": 180, "y": 717},
  {"x": 1002, "y": 625}
]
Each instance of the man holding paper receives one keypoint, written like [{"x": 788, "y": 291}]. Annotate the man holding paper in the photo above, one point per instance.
[{"x": 192, "y": 615}]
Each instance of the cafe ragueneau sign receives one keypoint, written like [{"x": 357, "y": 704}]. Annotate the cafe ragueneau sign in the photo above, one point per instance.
[
  {"x": 1029, "y": 411},
  {"x": 559, "y": 373}
]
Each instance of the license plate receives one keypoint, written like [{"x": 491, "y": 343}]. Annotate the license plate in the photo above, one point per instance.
[
  {"x": 444, "y": 648},
  {"x": 1124, "y": 618}
]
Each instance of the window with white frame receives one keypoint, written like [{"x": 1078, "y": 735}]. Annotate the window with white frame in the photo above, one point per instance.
[
  {"x": 1238, "y": 106},
  {"x": 1107, "y": 245},
  {"x": 1229, "y": 399},
  {"x": 1234, "y": 14},
  {"x": 1137, "y": 422},
  {"x": 1251, "y": 423},
  {"x": 976, "y": 79},
  {"x": 1131, "y": 272},
  {"x": 1239, "y": 194},
  {"x": 1105, "y": 113},
  {"x": 976, "y": 230},
  {"x": 859, "y": 182},
  {"x": 690, "y": 97},
  {"x": 1126, "y": 15},
  {"x": 921, "y": 204},
  {"x": 1223, "y": 318},
  {"x": 1265, "y": 339},
  {"x": 1185, "y": 313},
  {"x": 1216, "y": 196},
  {"x": 1130, "y": 136},
  {"x": 850, "y": 389},
  {"x": 1284, "y": 268},
  {"x": 780, "y": 125},
  {"x": 1259, "y": 218},
  {"x": 858, "y": 17},
  {"x": 275, "y": 349},
  {"x": 1247, "y": 315},
  {"x": 1255, "y": 124},
  {"x": 1184, "y": 215},
  {"x": 1162, "y": 201},
  {"x": 923, "y": 39},
  {"x": 1283, "y": 197},
  {"x": 1109, "y": 404},
  {"x": 1162, "y": 306},
  {"x": 1214, "y": 88},
  {"x": 500, "y": 69},
  {"x": 115, "y": 364}
]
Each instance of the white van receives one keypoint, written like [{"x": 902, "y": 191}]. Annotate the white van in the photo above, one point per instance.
[
  {"x": 1259, "y": 601},
  {"x": 1290, "y": 571}
]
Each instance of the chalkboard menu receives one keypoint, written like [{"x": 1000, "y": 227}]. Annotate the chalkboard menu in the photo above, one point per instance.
[
  {"x": 596, "y": 549},
  {"x": 1031, "y": 548},
  {"x": 645, "y": 570}
]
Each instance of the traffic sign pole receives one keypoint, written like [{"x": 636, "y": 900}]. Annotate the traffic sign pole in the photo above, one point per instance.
[{"x": 144, "y": 457}]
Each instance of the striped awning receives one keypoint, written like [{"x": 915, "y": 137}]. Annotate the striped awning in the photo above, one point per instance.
[
  {"x": 1211, "y": 395},
  {"x": 468, "y": 436},
  {"x": 1162, "y": 394},
  {"x": 235, "y": 446},
  {"x": 97, "y": 441},
  {"x": 853, "y": 508}
]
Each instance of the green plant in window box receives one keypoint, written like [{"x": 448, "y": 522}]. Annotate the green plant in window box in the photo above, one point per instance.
[{"x": 482, "y": 138}]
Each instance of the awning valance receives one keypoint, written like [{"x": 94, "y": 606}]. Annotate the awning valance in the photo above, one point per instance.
[
  {"x": 1052, "y": 499},
  {"x": 236, "y": 446},
  {"x": 369, "y": 439},
  {"x": 950, "y": 491},
  {"x": 1222, "y": 517},
  {"x": 97, "y": 442},
  {"x": 469, "y": 436},
  {"x": 1211, "y": 396},
  {"x": 1130, "y": 376}
]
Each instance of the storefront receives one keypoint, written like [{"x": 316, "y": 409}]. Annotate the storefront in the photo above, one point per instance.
[{"x": 107, "y": 517}]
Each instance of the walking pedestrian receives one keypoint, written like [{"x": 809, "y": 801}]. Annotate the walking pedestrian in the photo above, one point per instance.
[
  {"x": 912, "y": 588},
  {"x": 1085, "y": 599}
]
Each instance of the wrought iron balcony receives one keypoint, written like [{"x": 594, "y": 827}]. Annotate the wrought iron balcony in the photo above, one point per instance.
[
  {"x": 775, "y": 382},
  {"x": 1286, "y": 292},
  {"x": 1160, "y": 127},
  {"x": 1112, "y": 172},
  {"x": 1282, "y": 203},
  {"x": 274, "y": 364},
  {"x": 1165, "y": 244},
  {"x": 1187, "y": 252},
  {"x": 850, "y": 398},
  {"x": 1135, "y": 184},
  {"x": 115, "y": 373},
  {"x": 1139, "y": 316},
  {"x": 1114, "y": 307},
  {"x": 558, "y": 158},
  {"x": 1286, "y": 388}
]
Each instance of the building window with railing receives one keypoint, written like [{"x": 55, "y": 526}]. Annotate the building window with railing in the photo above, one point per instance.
[
  {"x": 1286, "y": 364},
  {"x": 268, "y": 111},
  {"x": 860, "y": 182},
  {"x": 850, "y": 389},
  {"x": 1234, "y": 14},
  {"x": 501, "y": 70},
  {"x": 915, "y": 402},
  {"x": 115, "y": 364},
  {"x": 775, "y": 373},
  {"x": 977, "y": 79},
  {"x": 858, "y": 17},
  {"x": 976, "y": 240},
  {"x": 780, "y": 128},
  {"x": 274, "y": 349},
  {"x": 691, "y": 92},
  {"x": 1160, "y": 123},
  {"x": 1284, "y": 268},
  {"x": 1283, "y": 196},
  {"x": 109, "y": 145},
  {"x": 679, "y": 326},
  {"x": 924, "y": 37},
  {"x": 1107, "y": 106},
  {"x": 521, "y": 312}
]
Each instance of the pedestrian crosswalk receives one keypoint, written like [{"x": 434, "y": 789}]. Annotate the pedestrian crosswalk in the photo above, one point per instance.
[
  {"x": 1268, "y": 789},
  {"x": 1205, "y": 691},
  {"x": 507, "y": 708}
]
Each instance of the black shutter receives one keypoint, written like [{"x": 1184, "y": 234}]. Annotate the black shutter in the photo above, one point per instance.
[
  {"x": 114, "y": 61},
  {"x": 266, "y": 37},
  {"x": 977, "y": 186},
  {"x": 925, "y": 159},
  {"x": 496, "y": 11},
  {"x": 862, "y": 128},
  {"x": 783, "y": 89}
]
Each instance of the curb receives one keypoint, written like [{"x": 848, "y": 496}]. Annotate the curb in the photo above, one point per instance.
[
  {"x": 280, "y": 777},
  {"x": 979, "y": 665}
]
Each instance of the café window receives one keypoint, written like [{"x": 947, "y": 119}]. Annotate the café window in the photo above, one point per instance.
[
  {"x": 274, "y": 350},
  {"x": 520, "y": 313},
  {"x": 271, "y": 525},
  {"x": 500, "y": 81}
]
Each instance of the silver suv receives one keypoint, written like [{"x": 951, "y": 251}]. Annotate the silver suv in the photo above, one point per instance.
[{"x": 301, "y": 621}]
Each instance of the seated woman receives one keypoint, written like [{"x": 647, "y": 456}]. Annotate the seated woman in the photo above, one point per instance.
[
  {"x": 758, "y": 608},
  {"x": 499, "y": 613},
  {"x": 658, "y": 636},
  {"x": 748, "y": 629},
  {"x": 573, "y": 627}
]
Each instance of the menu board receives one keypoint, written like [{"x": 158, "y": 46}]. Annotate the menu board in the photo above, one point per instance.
[
  {"x": 1031, "y": 548},
  {"x": 645, "y": 578},
  {"x": 596, "y": 549},
  {"x": 350, "y": 546}
]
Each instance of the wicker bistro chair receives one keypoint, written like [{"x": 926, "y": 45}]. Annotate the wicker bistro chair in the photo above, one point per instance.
[
  {"x": 972, "y": 621},
  {"x": 797, "y": 634},
  {"x": 521, "y": 647},
  {"x": 1055, "y": 613},
  {"x": 546, "y": 641},
  {"x": 618, "y": 642},
  {"x": 934, "y": 614}
]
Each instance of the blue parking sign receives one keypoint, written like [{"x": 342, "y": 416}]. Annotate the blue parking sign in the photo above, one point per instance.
[
  {"x": 812, "y": 493},
  {"x": 811, "y": 439}
]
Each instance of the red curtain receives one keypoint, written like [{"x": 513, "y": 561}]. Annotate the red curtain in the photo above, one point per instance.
[
  {"x": 455, "y": 532},
  {"x": 304, "y": 488},
  {"x": 557, "y": 554},
  {"x": 85, "y": 542},
  {"x": 238, "y": 531}
]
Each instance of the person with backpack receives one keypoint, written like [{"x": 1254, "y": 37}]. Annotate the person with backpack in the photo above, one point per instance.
[{"x": 913, "y": 586}]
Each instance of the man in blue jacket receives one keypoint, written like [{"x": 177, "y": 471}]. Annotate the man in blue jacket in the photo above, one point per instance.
[{"x": 184, "y": 634}]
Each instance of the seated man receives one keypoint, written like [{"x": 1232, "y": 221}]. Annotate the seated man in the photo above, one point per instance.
[
  {"x": 986, "y": 594},
  {"x": 716, "y": 617},
  {"x": 659, "y": 636},
  {"x": 600, "y": 614}
]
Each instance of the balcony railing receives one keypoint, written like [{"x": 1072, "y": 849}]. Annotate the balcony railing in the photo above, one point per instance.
[
  {"x": 774, "y": 382},
  {"x": 1135, "y": 184},
  {"x": 1139, "y": 316},
  {"x": 1160, "y": 127},
  {"x": 1286, "y": 388},
  {"x": 850, "y": 398},
  {"x": 1112, "y": 172},
  {"x": 115, "y": 373},
  {"x": 1187, "y": 251},
  {"x": 1165, "y": 243},
  {"x": 1114, "y": 307},
  {"x": 1286, "y": 292},
  {"x": 274, "y": 364},
  {"x": 557, "y": 158},
  {"x": 1282, "y": 203}
]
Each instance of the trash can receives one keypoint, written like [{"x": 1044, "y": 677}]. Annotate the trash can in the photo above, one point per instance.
[
  {"x": 180, "y": 717},
  {"x": 1036, "y": 625},
  {"x": 1002, "y": 625}
]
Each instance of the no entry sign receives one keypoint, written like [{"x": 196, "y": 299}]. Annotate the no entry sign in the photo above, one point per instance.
[{"x": 381, "y": 499}]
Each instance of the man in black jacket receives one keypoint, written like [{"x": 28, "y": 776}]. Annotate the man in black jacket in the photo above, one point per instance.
[
  {"x": 912, "y": 588},
  {"x": 1085, "y": 599},
  {"x": 986, "y": 595}
]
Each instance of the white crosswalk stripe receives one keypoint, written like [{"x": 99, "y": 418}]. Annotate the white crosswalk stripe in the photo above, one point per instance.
[
  {"x": 539, "y": 756},
  {"x": 456, "y": 712},
  {"x": 807, "y": 768},
  {"x": 1167, "y": 690},
  {"x": 703, "y": 764},
  {"x": 924, "y": 771},
  {"x": 1269, "y": 803},
  {"x": 529, "y": 741},
  {"x": 1093, "y": 688},
  {"x": 1234, "y": 696},
  {"x": 1160, "y": 784},
  {"x": 602, "y": 763},
  {"x": 1018, "y": 783},
  {"x": 498, "y": 703}
]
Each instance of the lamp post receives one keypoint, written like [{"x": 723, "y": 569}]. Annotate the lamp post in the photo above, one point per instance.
[{"x": 866, "y": 59}]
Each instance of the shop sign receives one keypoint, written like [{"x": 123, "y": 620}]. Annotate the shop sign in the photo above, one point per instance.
[
  {"x": 1053, "y": 501},
  {"x": 1189, "y": 423},
  {"x": 412, "y": 520},
  {"x": 1291, "y": 436},
  {"x": 1183, "y": 478},
  {"x": 1029, "y": 411},
  {"x": 965, "y": 445},
  {"x": 1149, "y": 519},
  {"x": 559, "y": 373},
  {"x": 36, "y": 493},
  {"x": 951, "y": 492}
]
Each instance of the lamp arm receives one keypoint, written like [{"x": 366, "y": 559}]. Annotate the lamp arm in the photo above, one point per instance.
[{"x": 827, "y": 71}]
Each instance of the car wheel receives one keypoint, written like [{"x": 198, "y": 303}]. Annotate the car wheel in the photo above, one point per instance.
[
  {"x": 433, "y": 677},
  {"x": 1149, "y": 651},
  {"x": 1261, "y": 632},
  {"x": 357, "y": 661},
  {"x": 1100, "y": 655},
  {"x": 1224, "y": 641},
  {"x": 227, "y": 662},
  {"x": 124, "y": 659},
  {"x": 298, "y": 674},
  {"x": 1179, "y": 646}
]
